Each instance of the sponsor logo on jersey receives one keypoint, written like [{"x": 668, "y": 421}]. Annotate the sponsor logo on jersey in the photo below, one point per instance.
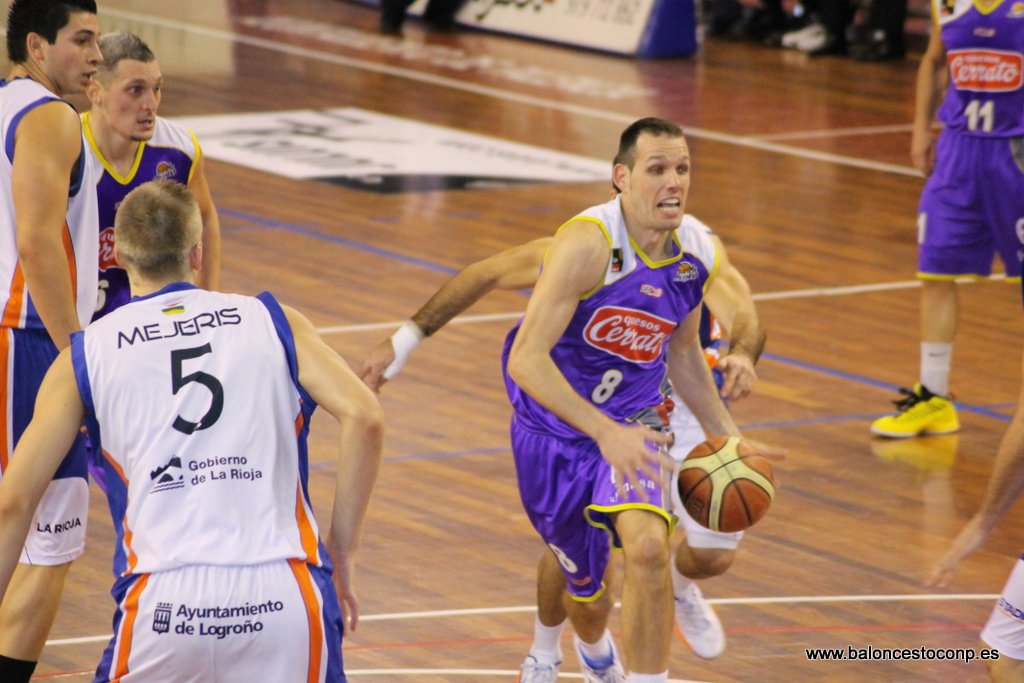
[
  {"x": 162, "y": 617},
  {"x": 1016, "y": 11},
  {"x": 1010, "y": 609},
  {"x": 687, "y": 271},
  {"x": 617, "y": 260},
  {"x": 165, "y": 170},
  {"x": 651, "y": 290},
  {"x": 632, "y": 335},
  {"x": 173, "y": 309},
  {"x": 107, "y": 249},
  {"x": 168, "y": 476},
  {"x": 986, "y": 70},
  {"x": 58, "y": 527},
  {"x": 209, "y": 621}
]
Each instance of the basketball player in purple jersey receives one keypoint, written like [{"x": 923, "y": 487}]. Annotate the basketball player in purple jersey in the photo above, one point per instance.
[
  {"x": 702, "y": 553},
  {"x": 130, "y": 145},
  {"x": 619, "y": 296},
  {"x": 973, "y": 202},
  {"x": 48, "y": 290}
]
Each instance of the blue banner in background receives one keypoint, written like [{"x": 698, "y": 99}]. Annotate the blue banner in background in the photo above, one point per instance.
[{"x": 637, "y": 28}]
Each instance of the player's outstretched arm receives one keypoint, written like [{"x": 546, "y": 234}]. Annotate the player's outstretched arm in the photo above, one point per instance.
[
  {"x": 55, "y": 423},
  {"x": 333, "y": 385},
  {"x": 730, "y": 301},
  {"x": 1005, "y": 485},
  {"x": 515, "y": 268},
  {"x": 209, "y": 275},
  {"x": 47, "y": 146}
]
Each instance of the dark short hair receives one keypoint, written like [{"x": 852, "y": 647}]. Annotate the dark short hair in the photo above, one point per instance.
[
  {"x": 45, "y": 17},
  {"x": 119, "y": 46},
  {"x": 627, "y": 141}
]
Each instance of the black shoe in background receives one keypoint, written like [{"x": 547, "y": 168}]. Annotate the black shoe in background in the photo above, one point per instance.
[
  {"x": 875, "y": 45},
  {"x": 881, "y": 35},
  {"x": 723, "y": 15},
  {"x": 761, "y": 23}
]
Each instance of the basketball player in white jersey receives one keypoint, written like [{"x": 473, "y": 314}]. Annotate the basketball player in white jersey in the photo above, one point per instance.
[
  {"x": 48, "y": 252},
  {"x": 200, "y": 403}
]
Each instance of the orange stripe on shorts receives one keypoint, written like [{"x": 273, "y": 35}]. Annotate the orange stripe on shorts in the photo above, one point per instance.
[
  {"x": 313, "y": 611},
  {"x": 131, "y": 611}
]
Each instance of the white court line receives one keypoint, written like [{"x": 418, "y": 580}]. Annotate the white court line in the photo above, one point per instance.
[
  {"x": 459, "y": 320},
  {"x": 837, "y": 132},
  {"x": 753, "y": 142},
  {"x": 763, "y": 296},
  {"x": 780, "y": 600},
  {"x": 505, "y": 673}
]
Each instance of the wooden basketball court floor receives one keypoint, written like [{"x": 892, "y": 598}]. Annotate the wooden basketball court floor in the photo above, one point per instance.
[{"x": 802, "y": 167}]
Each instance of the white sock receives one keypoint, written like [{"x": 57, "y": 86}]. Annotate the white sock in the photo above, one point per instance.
[
  {"x": 601, "y": 651},
  {"x": 648, "y": 678},
  {"x": 547, "y": 642},
  {"x": 936, "y": 360},
  {"x": 679, "y": 582}
]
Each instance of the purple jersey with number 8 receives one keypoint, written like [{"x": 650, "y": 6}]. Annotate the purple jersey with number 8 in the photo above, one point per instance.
[{"x": 613, "y": 350}]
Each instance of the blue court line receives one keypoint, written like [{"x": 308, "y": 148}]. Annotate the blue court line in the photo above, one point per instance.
[
  {"x": 860, "y": 379},
  {"x": 867, "y": 417},
  {"x": 334, "y": 239}
]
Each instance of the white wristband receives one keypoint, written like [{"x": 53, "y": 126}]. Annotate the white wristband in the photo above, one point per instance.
[{"x": 403, "y": 342}]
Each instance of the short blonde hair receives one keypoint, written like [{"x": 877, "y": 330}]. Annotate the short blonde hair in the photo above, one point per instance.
[
  {"x": 156, "y": 226},
  {"x": 117, "y": 47}
]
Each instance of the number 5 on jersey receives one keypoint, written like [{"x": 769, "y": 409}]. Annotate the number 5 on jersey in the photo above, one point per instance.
[{"x": 179, "y": 381}]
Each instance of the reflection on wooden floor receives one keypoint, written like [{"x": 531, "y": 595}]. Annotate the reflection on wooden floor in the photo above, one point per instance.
[{"x": 801, "y": 165}]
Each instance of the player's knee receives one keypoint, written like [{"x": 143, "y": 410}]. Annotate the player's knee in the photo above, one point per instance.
[
  {"x": 648, "y": 550},
  {"x": 595, "y": 609},
  {"x": 1005, "y": 669},
  {"x": 710, "y": 562}
]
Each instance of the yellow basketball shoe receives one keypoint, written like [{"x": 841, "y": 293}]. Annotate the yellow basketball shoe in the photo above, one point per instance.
[{"x": 921, "y": 412}]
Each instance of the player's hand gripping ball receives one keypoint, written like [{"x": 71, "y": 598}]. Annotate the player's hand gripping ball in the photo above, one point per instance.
[{"x": 724, "y": 485}]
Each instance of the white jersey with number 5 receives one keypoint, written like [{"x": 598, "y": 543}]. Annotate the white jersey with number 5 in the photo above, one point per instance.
[{"x": 202, "y": 425}]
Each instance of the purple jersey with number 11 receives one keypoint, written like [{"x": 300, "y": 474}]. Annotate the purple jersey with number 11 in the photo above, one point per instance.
[
  {"x": 613, "y": 350},
  {"x": 985, "y": 51}
]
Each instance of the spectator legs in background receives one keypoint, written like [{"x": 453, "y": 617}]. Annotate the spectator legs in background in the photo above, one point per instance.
[{"x": 881, "y": 36}]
